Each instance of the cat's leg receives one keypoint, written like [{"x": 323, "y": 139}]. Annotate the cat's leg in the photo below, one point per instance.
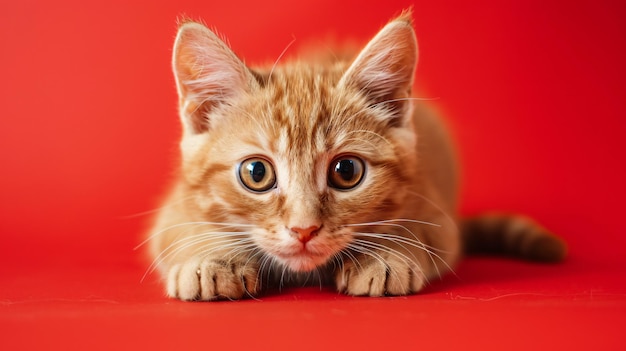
[
  {"x": 208, "y": 279},
  {"x": 399, "y": 262},
  {"x": 380, "y": 273},
  {"x": 379, "y": 276}
]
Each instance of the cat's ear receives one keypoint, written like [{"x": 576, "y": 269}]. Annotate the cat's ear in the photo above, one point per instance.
[
  {"x": 207, "y": 74},
  {"x": 384, "y": 69}
]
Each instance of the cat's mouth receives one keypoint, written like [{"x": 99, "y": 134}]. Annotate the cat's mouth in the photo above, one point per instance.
[{"x": 302, "y": 256}]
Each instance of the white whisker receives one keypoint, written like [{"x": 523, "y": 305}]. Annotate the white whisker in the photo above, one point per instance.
[
  {"x": 392, "y": 221},
  {"x": 407, "y": 230},
  {"x": 438, "y": 208},
  {"x": 404, "y": 99},
  {"x": 154, "y": 210},
  {"x": 402, "y": 240},
  {"x": 160, "y": 232},
  {"x": 382, "y": 248},
  {"x": 279, "y": 57},
  {"x": 282, "y": 278},
  {"x": 358, "y": 247},
  {"x": 211, "y": 239}
]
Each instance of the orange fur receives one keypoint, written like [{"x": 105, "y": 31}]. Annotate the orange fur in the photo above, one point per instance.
[{"x": 221, "y": 235}]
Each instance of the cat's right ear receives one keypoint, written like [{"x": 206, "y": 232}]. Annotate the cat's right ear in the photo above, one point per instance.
[
  {"x": 383, "y": 71},
  {"x": 208, "y": 74}
]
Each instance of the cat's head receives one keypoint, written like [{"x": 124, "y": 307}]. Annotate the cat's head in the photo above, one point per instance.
[{"x": 302, "y": 153}]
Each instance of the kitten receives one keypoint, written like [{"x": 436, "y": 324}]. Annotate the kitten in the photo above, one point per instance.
[{"x": 327, "y": 169}]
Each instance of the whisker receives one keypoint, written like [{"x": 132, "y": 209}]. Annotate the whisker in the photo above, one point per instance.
[
  {"x": 354, "y": 260},
  {"x": 233, "y": 238},
  {"x": 415, "y": 243},
  {"x": 160, "y": 232},
  {"x": 393, "y": 221},
  {"x": 266, "y": 265},
  {"x": 388, "y": 223},
  {"x": 397, "y": 254},
  {"x": 237, "y": 248},
  {"x": 422, "y": 244},
  {"x": 405, "y": 99},
  {"x": 282, "y": 278},
  {"x": 365, "y": 250},
  {"x": 202, "y": 251},
  {"x": 279, "y": 57},
  {"x": 157, "y": 209},
  {"x": 192, "y": 239},
  {"x": 438, "y": 208},
  {"x": 261, "y": 264}
]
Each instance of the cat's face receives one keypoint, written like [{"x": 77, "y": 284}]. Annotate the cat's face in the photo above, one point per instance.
[{"x": 300, "y": 156}]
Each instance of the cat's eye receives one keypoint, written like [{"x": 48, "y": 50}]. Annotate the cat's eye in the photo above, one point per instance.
[
  {"x": 257, "y": 174},
  {"x": 345, "y": 172}
]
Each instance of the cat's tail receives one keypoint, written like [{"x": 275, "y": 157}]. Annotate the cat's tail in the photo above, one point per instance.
[{"x": 511, "y": 235}]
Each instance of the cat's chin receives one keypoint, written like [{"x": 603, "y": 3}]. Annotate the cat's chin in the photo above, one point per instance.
[{"x": 301, "y": 263}]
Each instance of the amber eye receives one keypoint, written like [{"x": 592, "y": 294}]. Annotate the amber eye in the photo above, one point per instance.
[
  {"x": 257, "y": 174},
  {"x": 345, "y": 172}
]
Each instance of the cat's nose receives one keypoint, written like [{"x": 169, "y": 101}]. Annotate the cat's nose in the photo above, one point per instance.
[{"x": 305, "y": 234}]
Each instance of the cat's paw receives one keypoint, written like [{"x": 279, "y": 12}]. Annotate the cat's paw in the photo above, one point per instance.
[
  {"x": 379, "y": 277},
  {"x": 212, "y": 279}
]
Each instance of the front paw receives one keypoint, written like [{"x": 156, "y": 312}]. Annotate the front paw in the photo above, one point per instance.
[
  {"x": 212, "y": 279},
  {"x": 381, "y": 276}
]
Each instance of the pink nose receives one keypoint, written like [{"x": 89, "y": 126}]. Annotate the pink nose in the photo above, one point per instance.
[{"x": 306, "y": 234}]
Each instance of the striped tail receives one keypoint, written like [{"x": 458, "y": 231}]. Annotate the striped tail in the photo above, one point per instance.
[{"x": 511, "y": 235}]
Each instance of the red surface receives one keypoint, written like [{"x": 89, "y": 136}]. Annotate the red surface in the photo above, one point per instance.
[{"x": 534, "y": 90}]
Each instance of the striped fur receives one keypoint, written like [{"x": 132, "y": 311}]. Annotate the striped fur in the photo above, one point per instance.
[
  {"x": 511, "y": 235},
  {"x": 391, "y": 231}
]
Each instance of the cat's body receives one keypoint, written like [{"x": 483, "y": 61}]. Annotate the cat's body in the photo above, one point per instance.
[{"x": 327, "y": 169}]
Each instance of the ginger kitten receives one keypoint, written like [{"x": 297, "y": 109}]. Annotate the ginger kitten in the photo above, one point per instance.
[{"x": 316, "y": 169}]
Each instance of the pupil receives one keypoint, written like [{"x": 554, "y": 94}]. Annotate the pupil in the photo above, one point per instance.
[
  {"x": 257, "y": 171},
  {"x": 345, "y": 168}
]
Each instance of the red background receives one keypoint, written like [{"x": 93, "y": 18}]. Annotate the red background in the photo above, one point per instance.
[{"x": 535, "y": 92}]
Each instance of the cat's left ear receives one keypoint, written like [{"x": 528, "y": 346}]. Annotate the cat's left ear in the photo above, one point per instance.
[{"x": 384, "y": 69}]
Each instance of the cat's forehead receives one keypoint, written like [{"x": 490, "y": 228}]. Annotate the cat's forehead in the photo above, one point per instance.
[
  {"x": 303, "y": 98},
  {"x": 302, "y": 87},
  {"x": 300, "y": 113},
  {"x": 299, "y": 102}
]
